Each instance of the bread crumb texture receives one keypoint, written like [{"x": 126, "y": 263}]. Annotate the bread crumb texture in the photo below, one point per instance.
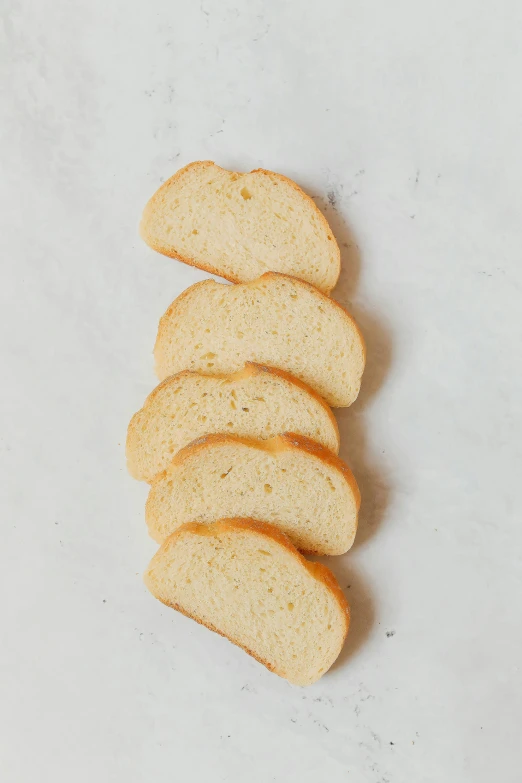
[
  {"x": 255, "y": 402},
  {"x": 246, "y": 581},
  {"x": 289, "y": 481},
  {"x": 241, "y": 225},
  {"x": 277, "y": 321}
]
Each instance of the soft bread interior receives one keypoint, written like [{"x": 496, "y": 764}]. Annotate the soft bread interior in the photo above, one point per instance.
[
  {"x": 276, "y": 320},
  {"x": 241, "y": 225},
  {"x": 248, "y": 583},
  {"x": 254, "y": 402},
  {"x": 288, "y": 481}
]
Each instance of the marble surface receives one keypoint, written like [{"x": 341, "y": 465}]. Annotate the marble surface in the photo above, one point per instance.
[{"x": 402, "y": 120}]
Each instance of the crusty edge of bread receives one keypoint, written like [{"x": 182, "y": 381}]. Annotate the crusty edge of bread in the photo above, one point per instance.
[
  {"x": 317, "y": 570},
  {"x": 171, "y": 252},
  {"x": 315, "y": 291}
]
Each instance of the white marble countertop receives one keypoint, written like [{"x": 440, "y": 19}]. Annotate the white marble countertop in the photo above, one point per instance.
[{"x": 403, "y": 121}]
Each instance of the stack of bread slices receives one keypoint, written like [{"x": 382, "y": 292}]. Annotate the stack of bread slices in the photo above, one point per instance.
[{"x": 238, "y": 442}]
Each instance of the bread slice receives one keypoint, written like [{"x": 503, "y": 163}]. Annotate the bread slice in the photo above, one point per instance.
[
  {"x": 289, "y": 481},
  {"x": 246, "y": 580},
  {"x": 276, "y": 320},
  {"x": 241, "y": 225},
  {"x": 256, "y": 402}
]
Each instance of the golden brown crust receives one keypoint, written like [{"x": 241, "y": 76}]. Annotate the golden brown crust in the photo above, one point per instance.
[
  {"x": 190, "y": 260},
  {"x": 318, "y": 571}
]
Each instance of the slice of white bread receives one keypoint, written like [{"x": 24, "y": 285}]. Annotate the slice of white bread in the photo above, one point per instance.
[
  {"x": 276, "y": 320},
  {"x": 289, "y": 481},
  {"x": 256, "y": 402},
  {"x": 241, "y": 225},
  {"x": 246, "y": 580}
]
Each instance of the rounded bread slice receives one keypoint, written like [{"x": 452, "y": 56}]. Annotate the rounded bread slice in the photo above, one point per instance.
[
  {"x": 256, "y": 402},
  {"x": 288, "y": 481},
  {"x": 246, "y": 581},
  {"x": 276, "y": 320},
  {"x": 241, "y": 225}
]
